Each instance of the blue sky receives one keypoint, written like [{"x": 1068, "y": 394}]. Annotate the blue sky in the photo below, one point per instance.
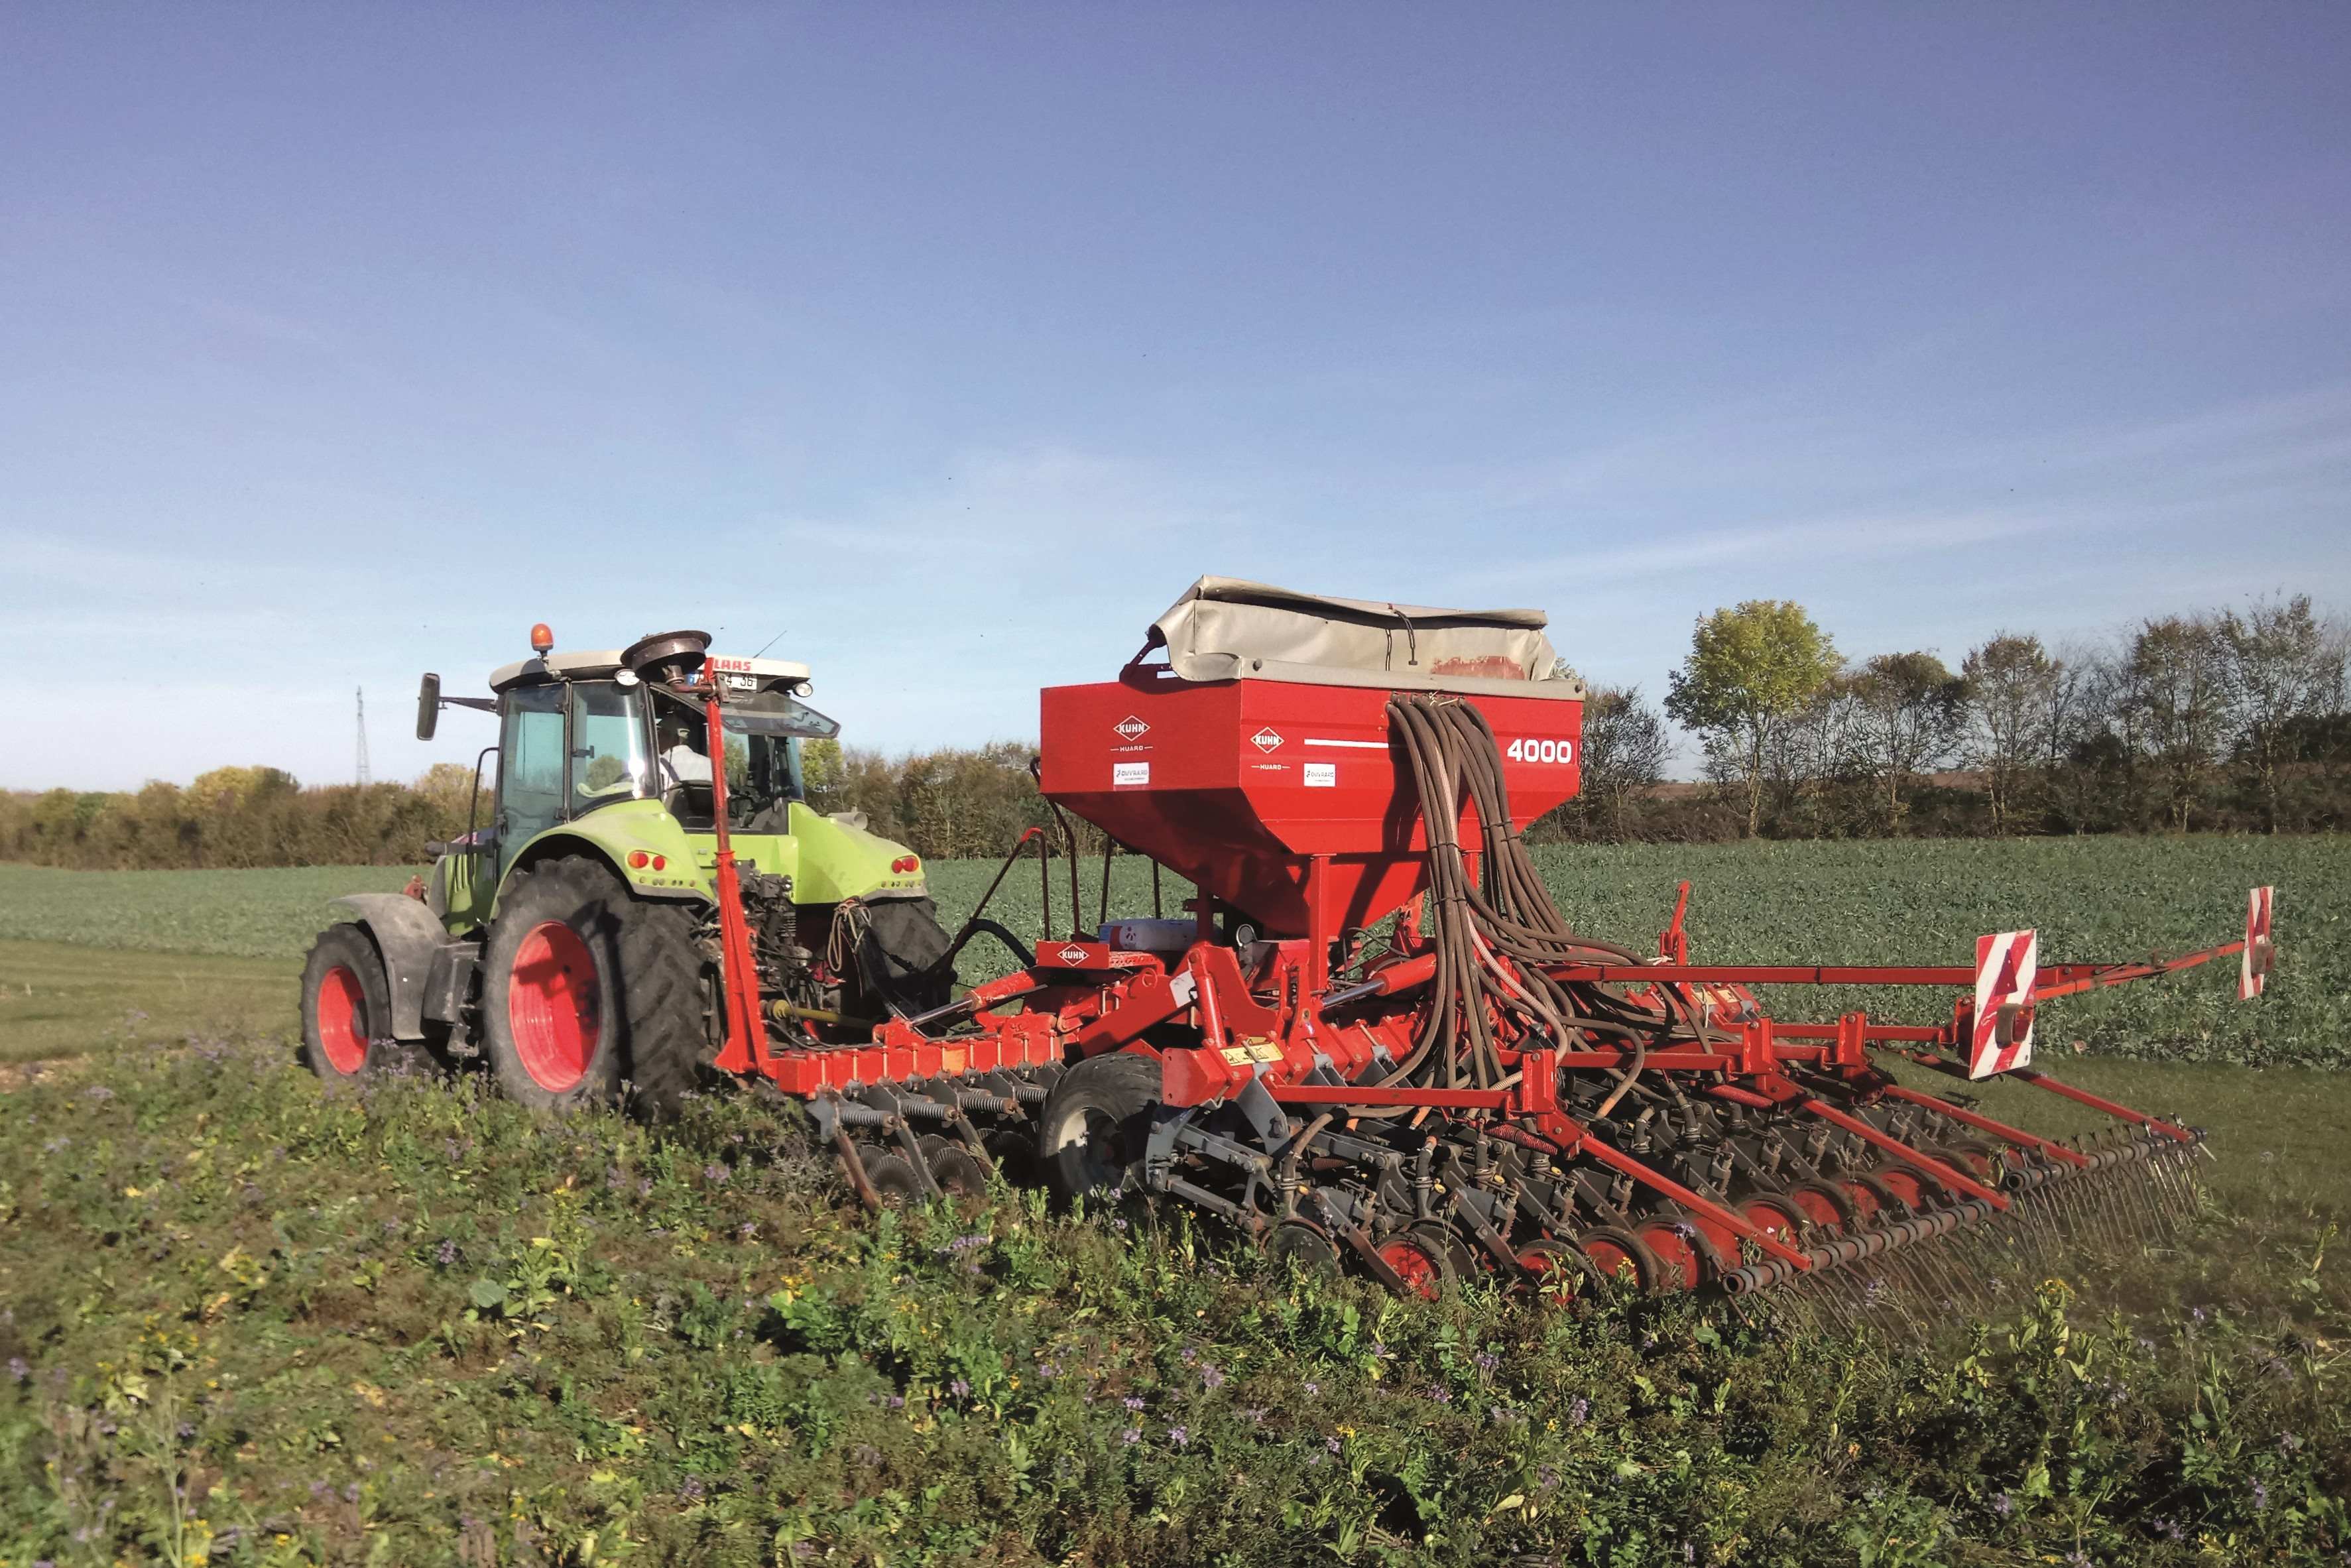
[{"x": 338, "y": 343}]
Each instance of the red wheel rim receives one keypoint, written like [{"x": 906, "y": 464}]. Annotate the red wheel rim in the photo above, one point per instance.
[
  {"x": 1905, "y": 1184},
  {"x": 1553, "y": 1267},
  {"x": 1613, "y": 1262},
  {"x": 1726, "y": 1241},
  {"x": 1817, "y": 1207},
  {"x": 1685, "y": 1269},
  {"x": 1422, "y": 1274},
  {"x": 343, "y": 1019},
  {"x": 551, "y": 1005},
  {"x": 1865, "y": 1202},
  {"x": 1770, "y": 1216}
]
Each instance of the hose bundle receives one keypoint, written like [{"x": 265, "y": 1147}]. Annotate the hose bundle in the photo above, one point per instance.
[{"x": 1493, "y": 936}]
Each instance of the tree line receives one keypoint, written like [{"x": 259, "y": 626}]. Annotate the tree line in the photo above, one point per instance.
[{"x": 2232, "y": 720}]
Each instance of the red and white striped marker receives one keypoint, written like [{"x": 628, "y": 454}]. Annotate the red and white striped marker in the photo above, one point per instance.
[
  {"x": 2006, "y": 968},
  {"x": 2253, "y": 970}
]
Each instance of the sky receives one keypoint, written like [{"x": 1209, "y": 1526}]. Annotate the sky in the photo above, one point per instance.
[{"x": 943, "y": 345}]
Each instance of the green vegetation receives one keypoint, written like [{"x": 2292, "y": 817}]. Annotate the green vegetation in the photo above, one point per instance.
[
  {"x": 1855, "y": 902},
  {"x": 250, "y": 1323},
  {"x": 56, "y": 1000},
  {"x": 245, "y": 1323}
]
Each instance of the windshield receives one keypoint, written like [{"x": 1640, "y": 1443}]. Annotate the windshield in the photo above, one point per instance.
[
  {"x": 763, "y": 756},
  {"x": 608, "y": 745}
]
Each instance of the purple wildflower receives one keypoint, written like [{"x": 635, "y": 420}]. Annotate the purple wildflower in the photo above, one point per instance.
[
  {"x": 1547, "y": 1478},
  {"x": 1313, "y": 1390},
  {"x": 1578, "y": 1411},
  {"x": 1332, "y": 1444},
  {"x": 1437, "y": 1395},
  {"x": 1486, "y": 1362},
  {"x": 960, "y": 1388},
  {"x": 1132, "y": 1402},
  {"x": 1131, "y": 1437},
  {"x": 1210, "y": 1376},
  {"x": 18, "y": 1369},
  {"x": 866, "y": 1454},
  {"x": 715, "y": 1175},
  {"x": 691, "y": 1491},
  {"x": 1181, "y": 1436},
  {"x": 2003, "y": 1505},
  {"x": 447, "y": 1253},
  {"x": 2261, "y": 1498}
]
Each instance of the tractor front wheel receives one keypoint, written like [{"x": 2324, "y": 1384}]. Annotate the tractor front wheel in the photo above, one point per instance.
[
  {"x": 347, "y": 1009},
  {"x": 585, "y": 986}
]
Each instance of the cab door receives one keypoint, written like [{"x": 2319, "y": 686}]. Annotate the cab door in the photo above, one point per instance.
[{"x": 531, "y": 754}]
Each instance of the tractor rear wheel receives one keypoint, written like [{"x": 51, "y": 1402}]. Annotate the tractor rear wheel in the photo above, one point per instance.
[
  {"x": 347, "y": 1009},
  {"x": 1095, "y": 1125},
  {"x": 585, "y": 986}
]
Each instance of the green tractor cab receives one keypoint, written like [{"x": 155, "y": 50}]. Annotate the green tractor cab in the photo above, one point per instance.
[{"x": 571, "y": 939}]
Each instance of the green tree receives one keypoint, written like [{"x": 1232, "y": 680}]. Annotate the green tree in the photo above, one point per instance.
[
  {"x": 2287, "y": 668},
  {"x": 1752, "y": 669},
  {"x": 1910, "y": 710},
  {"x": 2012, "y": 701}
]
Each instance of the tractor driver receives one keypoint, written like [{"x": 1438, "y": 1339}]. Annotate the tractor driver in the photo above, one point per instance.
[{"x": 683, "y": 752}]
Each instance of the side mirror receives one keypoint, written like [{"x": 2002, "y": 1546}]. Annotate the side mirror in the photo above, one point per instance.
[{"x": 428, "y": 706}]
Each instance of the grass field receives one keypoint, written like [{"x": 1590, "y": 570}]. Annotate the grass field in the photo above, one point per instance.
[
  {"x": 246, "y": 1323},
  {"x": 1912, "y": 902}
]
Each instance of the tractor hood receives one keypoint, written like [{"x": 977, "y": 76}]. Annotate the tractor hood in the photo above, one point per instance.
[{"x": 828, "y": 859}]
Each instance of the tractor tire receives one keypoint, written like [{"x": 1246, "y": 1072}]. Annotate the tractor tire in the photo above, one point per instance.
[
  {"x": 1092, "y": 1134},
  {"x": 897, "y": 957},
  {"x": 347, "y": 1011},
  {"x": 585, "y": 986}
]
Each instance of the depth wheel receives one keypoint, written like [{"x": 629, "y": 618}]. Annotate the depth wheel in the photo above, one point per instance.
[
  {"x": 584, "y": 985},
  {"x": 1681, "y": 1247},
  {"x": 1416, "y": 1260},
  {"x": 1822, "y": 1204},
  {"x": 1304, "y": 1243},
  {"x": 1621, "y": 1257},
  {"x": 1096, "y": 1124}
]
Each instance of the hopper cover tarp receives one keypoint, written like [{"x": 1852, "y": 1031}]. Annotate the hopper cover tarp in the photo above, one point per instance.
[{"x": 1225, "y": 628}]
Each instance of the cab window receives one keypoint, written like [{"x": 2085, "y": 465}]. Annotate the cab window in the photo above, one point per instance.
[{"x": 609, "y": 760}]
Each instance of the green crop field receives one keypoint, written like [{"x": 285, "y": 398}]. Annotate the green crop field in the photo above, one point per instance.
[
  {"x": 244, "y": 1322},
  {"x": 1875, "y": 902}
]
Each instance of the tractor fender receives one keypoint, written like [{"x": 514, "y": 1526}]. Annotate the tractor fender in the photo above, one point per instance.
[{"x": 405, "y": 933}]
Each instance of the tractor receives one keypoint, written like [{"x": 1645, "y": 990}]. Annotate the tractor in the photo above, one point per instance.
[{"x": 572, "y": 940}]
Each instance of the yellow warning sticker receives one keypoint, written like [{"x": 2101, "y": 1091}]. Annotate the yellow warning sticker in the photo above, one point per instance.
[{"x": 1236, "y": 1055}]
